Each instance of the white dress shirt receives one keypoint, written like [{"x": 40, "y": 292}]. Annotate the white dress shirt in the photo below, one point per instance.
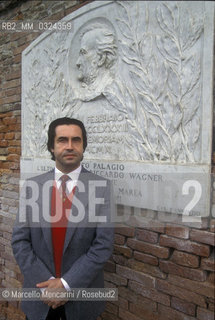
[{"x": 70, "y": 184}]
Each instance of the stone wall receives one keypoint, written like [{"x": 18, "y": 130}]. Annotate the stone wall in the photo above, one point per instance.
[{"x": 162, "y": 270}]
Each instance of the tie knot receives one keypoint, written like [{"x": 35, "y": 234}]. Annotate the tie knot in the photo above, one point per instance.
[{"x": 65, "y": 178}]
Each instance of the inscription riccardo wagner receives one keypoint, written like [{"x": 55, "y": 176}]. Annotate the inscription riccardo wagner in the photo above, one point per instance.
[{"x": 154, "y": 188}]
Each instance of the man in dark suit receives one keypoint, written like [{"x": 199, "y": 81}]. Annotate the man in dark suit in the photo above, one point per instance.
[{"x": 63, "y": 234}]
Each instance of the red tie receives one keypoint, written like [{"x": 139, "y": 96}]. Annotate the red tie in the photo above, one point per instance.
[{"x": 59, "y": 227}]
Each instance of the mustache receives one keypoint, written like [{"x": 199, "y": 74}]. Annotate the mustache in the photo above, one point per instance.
[{"x": 69, "y": 153}]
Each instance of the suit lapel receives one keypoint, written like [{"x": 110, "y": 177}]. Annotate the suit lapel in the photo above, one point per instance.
[{"x": 46, "y": 186}]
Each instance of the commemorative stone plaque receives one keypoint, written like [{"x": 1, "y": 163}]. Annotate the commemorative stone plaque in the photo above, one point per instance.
[{"x": 139, "y": 75}]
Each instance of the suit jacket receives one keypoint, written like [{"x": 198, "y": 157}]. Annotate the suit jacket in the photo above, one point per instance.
[{"x": 88, "y": 245}]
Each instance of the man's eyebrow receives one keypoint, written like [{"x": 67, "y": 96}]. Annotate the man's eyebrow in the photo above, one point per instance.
[{"x": 65, "y": 137}]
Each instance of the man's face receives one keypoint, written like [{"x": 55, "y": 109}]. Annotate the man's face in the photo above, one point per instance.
[
  {"x": 87, "y": 62},
  {"x": 68, "y": 147}
]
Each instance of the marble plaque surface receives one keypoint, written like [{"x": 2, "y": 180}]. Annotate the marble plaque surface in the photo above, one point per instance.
[{"x": 139, "y": 75}]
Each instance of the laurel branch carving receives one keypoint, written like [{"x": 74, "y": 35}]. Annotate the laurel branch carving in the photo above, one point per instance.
[
  {"x": 166, "y": 76},
  {"x": 162, "y": 100}
]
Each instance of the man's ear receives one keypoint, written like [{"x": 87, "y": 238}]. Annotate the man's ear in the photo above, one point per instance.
[{"x": 102, "y": 58}]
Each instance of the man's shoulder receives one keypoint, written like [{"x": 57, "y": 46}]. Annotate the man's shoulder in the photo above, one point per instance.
[{"x": 42, "y": 178}]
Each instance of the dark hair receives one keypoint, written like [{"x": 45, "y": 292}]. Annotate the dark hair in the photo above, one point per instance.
[{"x": 59, "y": 122}]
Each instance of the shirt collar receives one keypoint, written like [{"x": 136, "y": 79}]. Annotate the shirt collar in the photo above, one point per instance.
[{"x": 73, "y": 174}]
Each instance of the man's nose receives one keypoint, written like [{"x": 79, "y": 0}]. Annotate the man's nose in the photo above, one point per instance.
[{"x": 70, "y": 145}]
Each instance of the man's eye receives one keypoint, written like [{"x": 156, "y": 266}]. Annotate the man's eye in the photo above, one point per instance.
[{"x": 62, "y": 140}]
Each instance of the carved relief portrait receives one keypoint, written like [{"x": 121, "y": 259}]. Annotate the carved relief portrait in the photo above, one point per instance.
[
  {"x": 92, "y": 58},
  {"x": 133, "y": 72},
  {"x": 138, "y": 74},
  {"x": 93, "y": 75}
]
